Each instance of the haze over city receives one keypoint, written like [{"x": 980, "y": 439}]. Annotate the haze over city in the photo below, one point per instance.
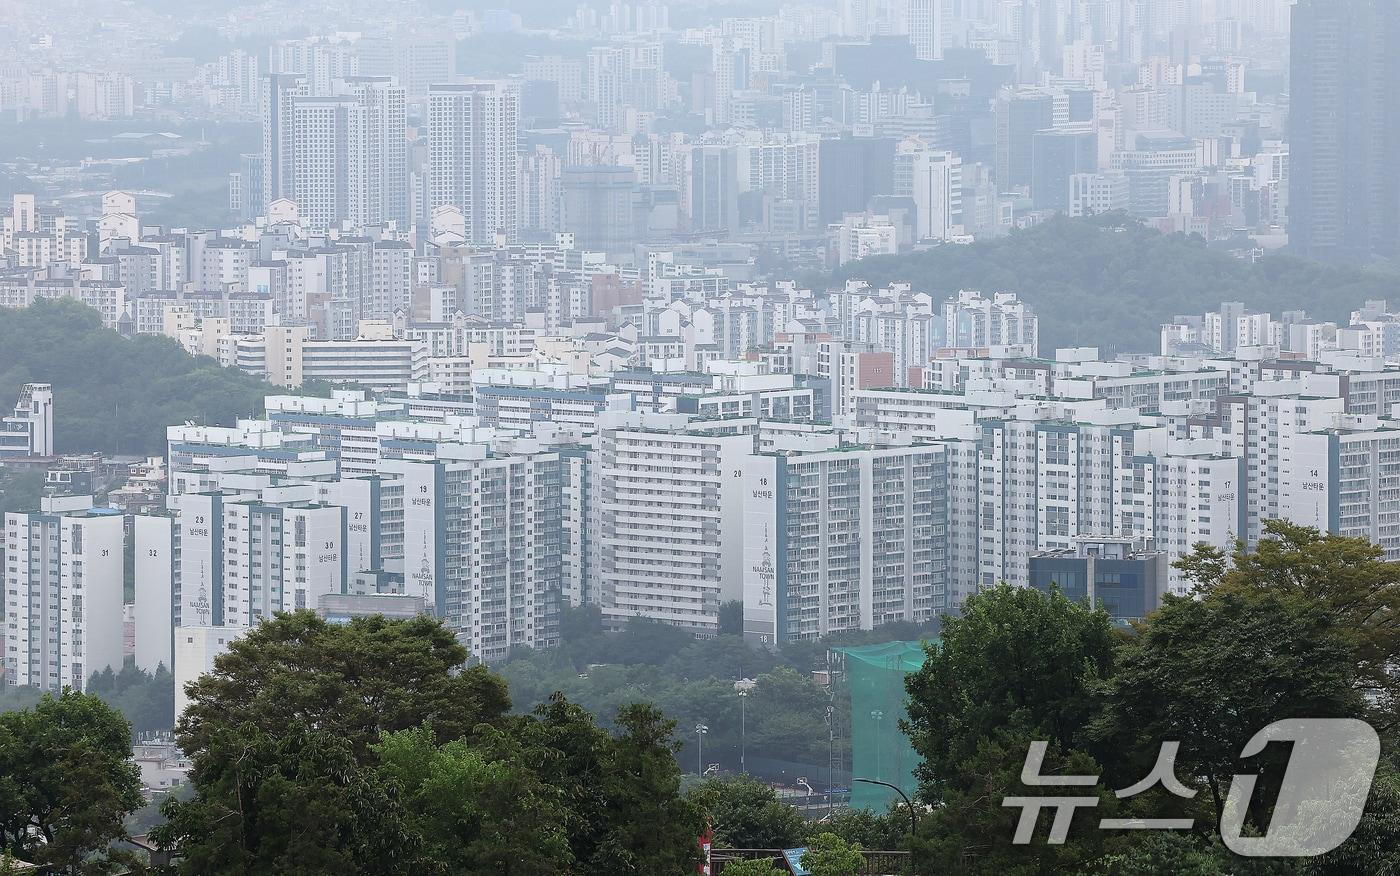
[{"x": 728, "y": 438}]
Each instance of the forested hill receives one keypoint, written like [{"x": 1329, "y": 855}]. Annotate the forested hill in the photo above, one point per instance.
[
  {"x": 114, "y": 394},
  {"x": 1110, "y": 282}
]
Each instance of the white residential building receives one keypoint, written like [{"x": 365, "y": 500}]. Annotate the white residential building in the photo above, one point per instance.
[{"x": 63, "y": 593}]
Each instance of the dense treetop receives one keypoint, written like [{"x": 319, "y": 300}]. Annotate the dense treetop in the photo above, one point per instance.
[{"x": 1110, "y": 281}]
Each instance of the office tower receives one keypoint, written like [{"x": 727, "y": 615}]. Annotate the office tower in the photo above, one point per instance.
[
  {"x": 251, "y": 181},
  {"x": 1125, "y": 576},
  {"x": 729, "y": 66},
  {"x": 937, "y": 192},
  {"x": 598, "y": 207},
  {"x": 1018, "y": 117},
  {"x": 330, "y": 164},
  {"x": 1149, "y": 167},
  {"x": 852, "y": 170},
  {"x": 472, "y": 133},
  {"x": 782, "y": 173},
  {"x": 607, "y": 79},
  {"x": 711, "y": 188},
  {"x": 386, "y": 147},
  {"x": 1056, "y": 156},
  {"x": 279, "y": 93},
  {"x": 1344, "y": 196},
  {"x": 63, "y": 585},
  {"x": 926, "y": 29},
  {"x": 843, "y": 539},
  {"x": 541, "y": 201}
]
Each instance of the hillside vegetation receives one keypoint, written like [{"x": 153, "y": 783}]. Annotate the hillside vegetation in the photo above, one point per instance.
[
  {"x": 114, "y": 394},
  {"x": 1110, "y": 282}
]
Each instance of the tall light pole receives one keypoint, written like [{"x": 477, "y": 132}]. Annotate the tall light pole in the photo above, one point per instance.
[
  {"x": 878, "y": 717},
  {"x": 700, "y": 731},
  {"x": 743, "y": 732},
  {"x": 830, "y": 739}
]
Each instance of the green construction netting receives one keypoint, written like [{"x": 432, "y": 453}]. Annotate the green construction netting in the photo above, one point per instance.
[{"x": 879, "y": 750}]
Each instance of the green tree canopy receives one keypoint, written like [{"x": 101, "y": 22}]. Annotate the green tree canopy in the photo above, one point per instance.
[
  {"x": 480, "y": 810},
  {"x": 1017, "y": 661},
  {"x": 66, "y": 782},
  {"x": 354, "y": 681},
  {"x": 745, "y": 813},
  {"x": 829, "y": 855}
]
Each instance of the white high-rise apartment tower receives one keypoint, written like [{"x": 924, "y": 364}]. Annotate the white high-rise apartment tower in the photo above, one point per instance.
[
  {"x": 279, "y": 90},
  {"x": 386, "y": 146},
  {"x": 472, "y": 132},
  {"x": 63, "y": 585},
  {"x": 330, "y": 165}
]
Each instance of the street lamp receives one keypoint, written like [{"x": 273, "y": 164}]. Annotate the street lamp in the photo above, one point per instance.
[
  {"x": 830, "y": 739},
  {"x": 700, "y": 731},
  {"x": 743, "y": 732},
  {"x": 913, "y": 816},
  {"x": 878, "y": 717}
]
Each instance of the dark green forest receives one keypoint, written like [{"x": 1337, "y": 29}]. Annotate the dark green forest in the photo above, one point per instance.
[
  {"x": 1111, "y": 282},
  {"x": 114, "y": 394}
]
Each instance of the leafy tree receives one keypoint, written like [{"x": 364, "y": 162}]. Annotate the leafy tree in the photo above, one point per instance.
[
  {"x": 1375, "y": 846},
  {"x": 1017, "y": 661},
  {"x": 354, "y": 681},
  {"x": 731, "y": 618},
  {"x": 1348, "y": 576},
  {"x": 643, "y": 640},
  {"x": 1211, "y": 673},
  {"x": 870, "y": 830},
  {"x": 660, "y": 830},
  {"x": 479, "y": 810},
  {"x": 287, "y": 721},
  {"x": 621, "y": 794},
  {"x": 20, "y": 489},
  {"x": 745, "y": 813},
  {"x": 829, "y": 855},
  {"x": 298, "y": 801},
  {"x": 20, "y": 696},
  {"x": 146, "y": 699},
  {"x": 66, "y": 782}
]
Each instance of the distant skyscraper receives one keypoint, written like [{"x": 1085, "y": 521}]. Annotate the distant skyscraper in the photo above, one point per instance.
[
  {"x": 386, "y": 146},
  {"x": 926, "y": 28},
  {"x": 598, "y": 207},
  {"x": 1344, "y": 198},
  {"x": 1018, "y": 117},
  {"x": 852, "y": 171},
  {"x": 607, "y": 79},
  {"x": 1056, "y": 156},
  {"x": 472, "y": 133},
  {"x": 278, "y": 92},
  {"x": 712, "y": 188},
  {"x": 330, "y": 164}
]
